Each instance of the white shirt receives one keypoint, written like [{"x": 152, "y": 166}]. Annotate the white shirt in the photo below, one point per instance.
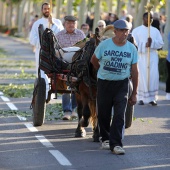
[{"x": 34, "y": 34}]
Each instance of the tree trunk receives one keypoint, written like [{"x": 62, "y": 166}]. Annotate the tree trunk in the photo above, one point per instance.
[
  {"x": 27, "y": 19},
  {"x": 17, "y": 14},
  {"x": 82, "y": 13},
  {"x": 1, "y": 9},
  {"x": 167, "y": 26},
  {"x": 109, "y": 4},
  {"x": 96, "y": 14},
  {"x": 58, "y": 5},
  {"x": 140, "y": 12},
  {"x": 9, "y": 15},
  {"x": 20, "y": 19},
  {"x": 69, "y": 7},
  {"x": 118, "y": 11}
]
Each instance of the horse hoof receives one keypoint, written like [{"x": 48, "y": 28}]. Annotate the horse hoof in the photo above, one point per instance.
[
  {"x": 83, "y": 122},
  {"x": 80, "y": 133}
]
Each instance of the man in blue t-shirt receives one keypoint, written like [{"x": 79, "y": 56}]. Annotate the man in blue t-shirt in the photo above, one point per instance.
[{"x": 116, "y": 61}]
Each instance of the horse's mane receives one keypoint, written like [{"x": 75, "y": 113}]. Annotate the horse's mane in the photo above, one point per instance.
[{"x": 108, "y": 32}]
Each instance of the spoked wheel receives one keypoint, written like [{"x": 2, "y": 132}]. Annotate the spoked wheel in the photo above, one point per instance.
[
  {"x": 129, "y": 110},
  {"x": 39, "y": 104}
]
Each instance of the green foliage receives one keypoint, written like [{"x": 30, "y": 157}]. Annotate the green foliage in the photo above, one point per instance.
[
  {"x": 16, "y": 63},
  {"x": 75, "y": 4},
  {"x": 21, "y": 75},
  {"x": 104, "y": 4},
  {"x": 17, "y": 91},
  {"x": 2, "y": 53},
  {"x": 13, "y": 31},
  {"x": 12, "y": 1},
  {"x": 53, "y": 112},
  {"x": 162, "y": 65},
  {"x": 3, "y": 28}
]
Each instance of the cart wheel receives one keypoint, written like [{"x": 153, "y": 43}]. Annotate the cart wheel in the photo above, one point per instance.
[
  {"x": 39, "y": 104},
  {"x": 129, "y": 110}
]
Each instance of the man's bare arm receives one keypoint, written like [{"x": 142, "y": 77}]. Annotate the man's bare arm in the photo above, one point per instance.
[{"x": 95, "y": 62}]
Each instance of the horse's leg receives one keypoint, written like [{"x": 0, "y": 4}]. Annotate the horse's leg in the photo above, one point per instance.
[
  {"x": 94, "y": 121},
  {"x": 80, "y": 131},
  {"x": 84, "y": 121}
]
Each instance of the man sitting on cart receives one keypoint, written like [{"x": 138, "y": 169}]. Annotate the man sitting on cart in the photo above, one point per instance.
[{"x": 67, "y": 38}]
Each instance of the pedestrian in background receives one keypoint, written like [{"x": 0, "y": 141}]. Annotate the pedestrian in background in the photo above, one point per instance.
[
  {"x": 148, "y": 94},
  {"x": 116, "y": 60},
  {"x": 46, "y": 21},
  {"x": 85, "y": 28},
  {"x": 67, "y": 38},
  {"x": 101, "y": 25},
  {"x": 30, "y": 27}
]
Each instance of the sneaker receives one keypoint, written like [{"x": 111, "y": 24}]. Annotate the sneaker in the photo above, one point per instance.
[
  {"x": 73, "y": 115},
  {"x": 167, "y": 96},
  {"x": 118, "y": 150},
  {"x": 67, "y": 116},
  {"x": 105, "y": 144},
  {"x": 141, "y": 102},
  {"x": 153, "y": 103}
]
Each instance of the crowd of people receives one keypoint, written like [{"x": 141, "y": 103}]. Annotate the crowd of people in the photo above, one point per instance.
[{"x": 109, "y": 76}]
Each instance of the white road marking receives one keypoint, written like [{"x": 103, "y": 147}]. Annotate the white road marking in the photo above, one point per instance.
[
  {"x": 12, "y": 106},
  {"x": 44, "y": 141},
  {"x": 57, "y": 154},
  {"x": 5, "y": 99},
  {"x": 21, "y": 118},
  {"x": 60, "y": 157},
  {"x": 31, "y": 127}
]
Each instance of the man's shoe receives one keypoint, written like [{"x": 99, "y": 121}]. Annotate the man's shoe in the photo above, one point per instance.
[
  {"x": 67, "y": 116},
  {"x": 118, "y": 150},
  {"x": 153, "y": 103},
  {"x": 105, "y": 144},
  {"x": 74, "y": 115},
  {"x": 141, "y": 102}
]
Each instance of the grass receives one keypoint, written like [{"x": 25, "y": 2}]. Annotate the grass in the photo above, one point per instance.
[
  {"x": 18, "y": 76},
  {"x": 53, "y": 112},
  {"x": 17, "y": 91}
]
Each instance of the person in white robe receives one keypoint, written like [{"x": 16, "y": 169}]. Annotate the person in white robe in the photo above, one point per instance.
[
  {"x": 148, "y": 87},
  {"x": 48, "y": 22}
]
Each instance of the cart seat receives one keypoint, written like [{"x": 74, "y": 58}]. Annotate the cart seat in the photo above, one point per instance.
[{"x": 67, "y": 56}]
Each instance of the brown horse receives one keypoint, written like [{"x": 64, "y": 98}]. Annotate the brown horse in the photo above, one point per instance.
[{"x": 86, "y": 88}]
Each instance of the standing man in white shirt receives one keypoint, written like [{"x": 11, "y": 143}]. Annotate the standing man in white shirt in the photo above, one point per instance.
[
  {"x": 48, "y": 22},
  {"x": 147, "y": 94}
]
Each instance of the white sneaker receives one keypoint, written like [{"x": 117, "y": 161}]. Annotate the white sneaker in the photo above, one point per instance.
[
  {"x": 167, "y": 96},
  {"x": 105, "y": 145},
  {"x": 73, "y": 115},
  {"x": 67, "y": 116},
  {"x": 118, "y": 150}
]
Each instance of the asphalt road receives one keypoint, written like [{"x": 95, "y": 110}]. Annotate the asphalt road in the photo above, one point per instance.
[{"x": 54, "y": 147}]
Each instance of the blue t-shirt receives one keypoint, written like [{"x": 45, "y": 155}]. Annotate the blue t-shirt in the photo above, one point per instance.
[
  {"x": 168, "y": 56},
  {"x": 115, "y": 61}
]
